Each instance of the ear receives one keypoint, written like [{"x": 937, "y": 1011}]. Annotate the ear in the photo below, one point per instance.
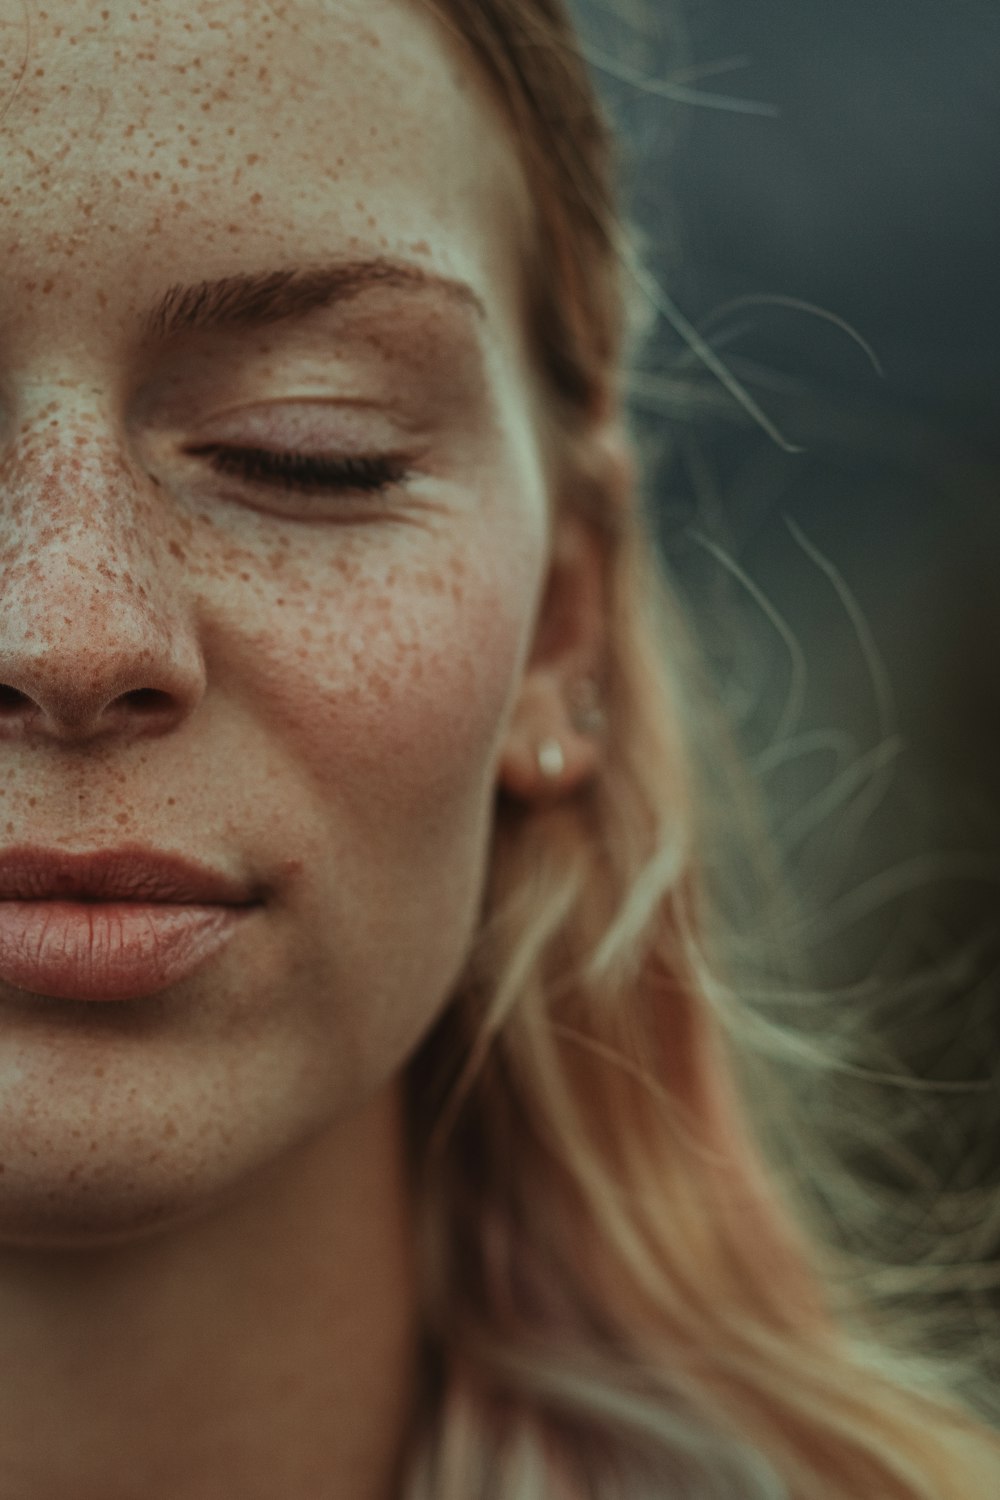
[{"x": 555, "y": 738}]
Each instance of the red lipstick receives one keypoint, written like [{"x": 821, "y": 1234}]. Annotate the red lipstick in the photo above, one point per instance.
[{"x": 116, "y": 924}]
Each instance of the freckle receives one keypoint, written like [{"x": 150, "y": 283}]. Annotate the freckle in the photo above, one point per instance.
[
  {"x": 32, "y": 801},
  {"x": 176, "y": 550},
  {"x": 256, "y": 198}
]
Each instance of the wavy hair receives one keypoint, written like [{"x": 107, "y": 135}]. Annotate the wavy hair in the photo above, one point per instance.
[{"x": 637, "y": 1275}]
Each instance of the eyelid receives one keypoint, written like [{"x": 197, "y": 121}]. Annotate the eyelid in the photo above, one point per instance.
[{"x": 307, "y": 423}]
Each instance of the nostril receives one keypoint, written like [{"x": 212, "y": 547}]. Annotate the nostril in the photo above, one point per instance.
[
  {"x": 11, "y": 700},
  {"x": 144, "y": 702},
  {"x": 147, "y": 700}
]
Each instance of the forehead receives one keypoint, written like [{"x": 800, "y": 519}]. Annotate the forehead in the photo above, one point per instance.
[{"x": 228, "y": 133}]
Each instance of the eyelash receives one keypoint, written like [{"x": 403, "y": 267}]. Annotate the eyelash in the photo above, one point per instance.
[{"x": 305, "y": 472}]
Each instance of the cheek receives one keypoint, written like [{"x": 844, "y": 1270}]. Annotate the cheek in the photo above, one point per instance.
[
  {"x": 393, "y": 678},
  {"x": 386, "y": 700}
]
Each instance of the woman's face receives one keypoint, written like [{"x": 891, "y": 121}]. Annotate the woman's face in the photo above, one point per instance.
[{"x": 305, "y": 688}]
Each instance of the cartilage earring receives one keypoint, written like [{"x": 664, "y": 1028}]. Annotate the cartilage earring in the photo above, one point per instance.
[
  {"x": 585, "y": 710},
  {"x": 551, "y": 760}
]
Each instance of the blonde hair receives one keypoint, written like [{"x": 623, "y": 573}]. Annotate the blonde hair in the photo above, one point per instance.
[{"x": 632, "y": 1280}]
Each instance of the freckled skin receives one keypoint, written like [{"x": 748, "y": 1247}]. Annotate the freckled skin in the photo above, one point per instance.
[
  {"x": 317, "y": 703},
  {"x": 204, "y": 1218}
]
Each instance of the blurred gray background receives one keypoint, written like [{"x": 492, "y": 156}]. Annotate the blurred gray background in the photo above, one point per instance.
[
  {"x": 848, "y": 158},
  {"x": 829, "y": 223}
]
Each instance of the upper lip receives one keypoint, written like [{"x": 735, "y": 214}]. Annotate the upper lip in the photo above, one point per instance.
[{"x": 128, "y": 873}]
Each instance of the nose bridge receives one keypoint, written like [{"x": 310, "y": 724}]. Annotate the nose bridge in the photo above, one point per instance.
[
  {"x": 92, "y": 634},
  {"x": 74, "y": 521}
]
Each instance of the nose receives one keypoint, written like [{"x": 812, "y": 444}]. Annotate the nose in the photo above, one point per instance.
[{"x": 95, "y": 640}]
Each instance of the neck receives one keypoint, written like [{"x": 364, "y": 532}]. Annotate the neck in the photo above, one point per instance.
[{"x": 267, "y": 1349}]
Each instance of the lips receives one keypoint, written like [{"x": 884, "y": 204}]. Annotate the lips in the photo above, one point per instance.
[
  {"x": 116, "y": 924},
  {"x": 129, "y": 873}
]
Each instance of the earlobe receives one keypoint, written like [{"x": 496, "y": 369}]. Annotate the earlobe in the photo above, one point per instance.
[{"x": 535, "y": 768}]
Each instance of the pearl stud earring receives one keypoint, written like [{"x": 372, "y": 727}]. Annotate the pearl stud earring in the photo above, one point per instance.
[{"x": 551, "y": 760}]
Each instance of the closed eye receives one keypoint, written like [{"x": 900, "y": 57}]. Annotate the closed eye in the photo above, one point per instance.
[{"x": 306, "y": 472}]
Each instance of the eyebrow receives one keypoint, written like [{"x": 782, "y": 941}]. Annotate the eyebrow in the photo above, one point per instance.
[{"x": 252, "y": 301}]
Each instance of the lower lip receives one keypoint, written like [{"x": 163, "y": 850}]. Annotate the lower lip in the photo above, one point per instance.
[{"x": 123, "y": 950}]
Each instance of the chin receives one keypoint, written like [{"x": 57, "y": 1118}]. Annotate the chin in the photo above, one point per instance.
[
  {"x": 116, "y": 1190},
  {"x": 61, "y": 1216}
]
